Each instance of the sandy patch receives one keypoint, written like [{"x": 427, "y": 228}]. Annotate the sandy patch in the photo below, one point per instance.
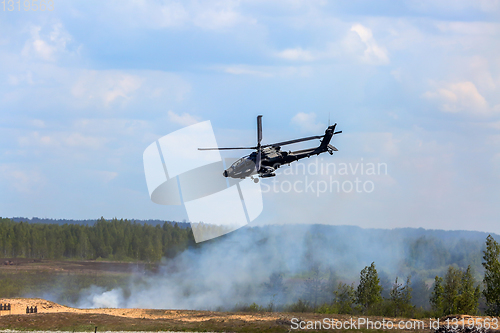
[{"x": 18, "y": 306}]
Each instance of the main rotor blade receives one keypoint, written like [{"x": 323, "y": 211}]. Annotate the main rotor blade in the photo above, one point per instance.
[
  {"x": 279, "y": 144},
  {"x": 227, "y": 148},
  {"x": 259, "y": 130},
  {"x": 258, "y": 160}
]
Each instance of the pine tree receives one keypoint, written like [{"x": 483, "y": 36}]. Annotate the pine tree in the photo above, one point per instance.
[
  {"x": 437, "y": 296},
  {"x": 468, "y": 300},
  {"x": 491, "y": 278},
  {"x": 400, "y": 297},
  {"x": 369, "y": 289},
  {"x": 395, "y": 296},
  {"x": 452, "y": 284}
]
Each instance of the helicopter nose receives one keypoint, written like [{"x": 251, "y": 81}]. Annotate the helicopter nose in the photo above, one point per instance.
[{"x": 225, "y": 174}]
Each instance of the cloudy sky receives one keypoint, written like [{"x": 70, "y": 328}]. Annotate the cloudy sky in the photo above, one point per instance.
[{"x": 414, "y": 85}]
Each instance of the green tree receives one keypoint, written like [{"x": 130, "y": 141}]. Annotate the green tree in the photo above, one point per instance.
[
  {"x": 344, "y": 298},
  {"x": 437, "y": 296},
  {"x": 468, "y": 299},
  {"x": 400, "y": 297},
  {"x": 457, "y": 293},
  {"x": 369, "y": 289},
  {"x": 491, "y": 278},
  {"x": 452, "y": 285}
]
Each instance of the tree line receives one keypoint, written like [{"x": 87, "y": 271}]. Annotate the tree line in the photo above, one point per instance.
[
  {"x": 457, "y": 292},
  {"x": 112, "y": 240}
]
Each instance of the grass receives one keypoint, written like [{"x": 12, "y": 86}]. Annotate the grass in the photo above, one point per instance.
[{"x": 88, "y": 322}]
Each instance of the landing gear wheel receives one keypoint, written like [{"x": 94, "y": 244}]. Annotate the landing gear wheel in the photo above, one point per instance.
[{"x": 256, "y": 180}]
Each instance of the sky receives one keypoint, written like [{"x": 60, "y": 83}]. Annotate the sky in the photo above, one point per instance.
[{"x": 413, "y": 85}]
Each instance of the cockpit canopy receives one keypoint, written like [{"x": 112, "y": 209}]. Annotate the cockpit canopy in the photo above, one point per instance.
[{"x": 243, "y": 162}]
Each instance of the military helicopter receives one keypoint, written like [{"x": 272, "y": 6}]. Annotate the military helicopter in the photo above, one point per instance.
[{"x": 264, "y": 161}]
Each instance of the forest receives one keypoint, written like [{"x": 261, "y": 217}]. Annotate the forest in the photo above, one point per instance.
[{"x": 122, "y": 240}]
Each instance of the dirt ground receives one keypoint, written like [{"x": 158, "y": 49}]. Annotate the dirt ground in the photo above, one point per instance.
[
  {"x": 52, "y": 316},
  {"x": 18, "y": 307}
]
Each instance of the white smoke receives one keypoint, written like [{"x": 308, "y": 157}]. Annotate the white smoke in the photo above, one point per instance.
[{"x": 238, "y": 268}]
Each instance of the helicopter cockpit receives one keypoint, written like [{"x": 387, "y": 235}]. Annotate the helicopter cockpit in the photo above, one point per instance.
[{"x": 242, "y": 168}]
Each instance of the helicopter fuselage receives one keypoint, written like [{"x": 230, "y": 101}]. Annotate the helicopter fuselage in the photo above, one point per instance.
[{"x": 273, "y": 157}]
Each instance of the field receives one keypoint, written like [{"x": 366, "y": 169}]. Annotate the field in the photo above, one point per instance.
[
  {"x": 88, "y": 267},
  {"x": 52, "y": 316},
  {"x": 29, "y": 275},
  {"x": 63, "y": 279}
]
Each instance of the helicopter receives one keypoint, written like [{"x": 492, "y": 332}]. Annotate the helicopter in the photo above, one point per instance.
[{"x": 264, "y": 161}]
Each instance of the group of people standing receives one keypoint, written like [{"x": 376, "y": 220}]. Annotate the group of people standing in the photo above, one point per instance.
[
  {"x": 5, "y": 307},
  {"x": 31, "y": 309}
]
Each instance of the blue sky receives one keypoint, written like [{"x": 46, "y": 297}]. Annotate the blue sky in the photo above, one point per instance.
[{"x": 413, "y": 85}]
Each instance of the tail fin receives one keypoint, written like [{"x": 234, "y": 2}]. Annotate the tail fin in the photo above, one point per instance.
[{"x": 329, "y": 133}]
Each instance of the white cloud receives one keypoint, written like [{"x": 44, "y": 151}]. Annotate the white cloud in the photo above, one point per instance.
[
  {"x": 218, "y": 18},
  {"x": 469, "y": 28},
  {"x": 115, "y": 126},
  {"x": 373, "y": 53},
  {"x": 170, "y": 15},
  {"x": 55, "y": 140},
  {"x": 24, "y": 181},
  {"x": 62, "y": 90},
  {"x": 49, "y": 46},
  {"x": 459, "y": 97},
  {"x": 296, "y": 54},
  {"x": 307, "y": 122},
  {"x": 359, "y": 42},
  {"x": 184, "y": 119},
  {"x": 38, "y": 123},
  {"x": 247, "y": 70},
  {"x": 455, "y": 6},
  {"x": 150, "y": 14},
  {"x": 267, "y": 71},
  {"x": 104, "y": 176},
  {"x": 15, "y": 80},
  {"x": 79, "y": 140},
  {"x": 479, "y": 69},
  {"x": 122, "y": 87},
  {"x": 106, "y": 86},
  {"x": 219, "y": 15}
]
